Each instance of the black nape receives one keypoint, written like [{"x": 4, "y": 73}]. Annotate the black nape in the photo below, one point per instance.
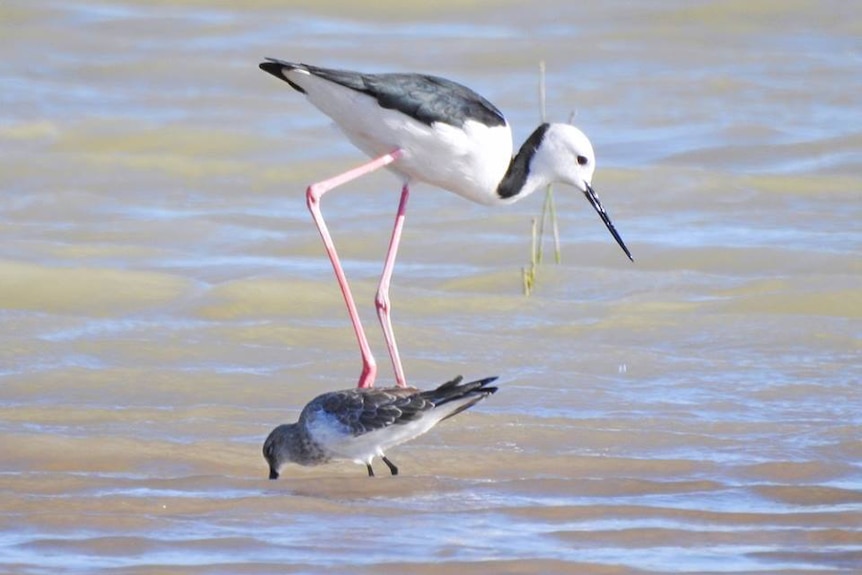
[{"x": 513, "y": 182}]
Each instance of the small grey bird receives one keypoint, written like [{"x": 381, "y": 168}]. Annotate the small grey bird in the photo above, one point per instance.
[{"x": 361, "y": 423}]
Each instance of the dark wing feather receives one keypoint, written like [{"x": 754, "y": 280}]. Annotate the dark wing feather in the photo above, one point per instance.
[
  {"x": 361, "y": 411},
  {"x": 428, "y": 99},
  {"x": 454, "y": 389},
  {"x": 365, "y": 410},
  {"x": 431, "y": 99}
]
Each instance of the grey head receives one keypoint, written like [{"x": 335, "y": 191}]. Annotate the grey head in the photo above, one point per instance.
[{"x": 288, "y": 443}]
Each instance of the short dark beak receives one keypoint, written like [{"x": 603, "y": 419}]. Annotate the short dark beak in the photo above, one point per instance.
[
  {"x": 597, "y": 205},
  {"x": 273, "y": 474}
]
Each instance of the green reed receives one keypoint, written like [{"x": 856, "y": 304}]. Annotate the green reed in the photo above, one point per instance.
[{"x": 549, "y": 211}]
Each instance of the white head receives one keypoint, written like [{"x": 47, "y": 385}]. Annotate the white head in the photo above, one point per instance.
[{"x": 566, "y": 155}]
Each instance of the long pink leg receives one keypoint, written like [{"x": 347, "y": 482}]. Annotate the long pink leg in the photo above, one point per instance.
[
  {"x": 382, "y": 299},
  {"x": 313, "y": 194}
]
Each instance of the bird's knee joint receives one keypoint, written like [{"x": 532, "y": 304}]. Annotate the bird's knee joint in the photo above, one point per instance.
[
  {"x": 312, "y": 195},
  {"x": 381, "y": 301}
]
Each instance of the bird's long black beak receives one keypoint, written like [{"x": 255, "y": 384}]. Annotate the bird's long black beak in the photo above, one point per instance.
[
  {"x": 597, "y": 205},
  {"x": 273, "y": 474}
]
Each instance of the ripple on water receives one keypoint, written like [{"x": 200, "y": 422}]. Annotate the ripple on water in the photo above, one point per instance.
[{"x": 166, "y": 300}]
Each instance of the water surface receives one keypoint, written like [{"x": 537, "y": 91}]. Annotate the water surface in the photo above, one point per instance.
[{"x": 166, "y": 301}]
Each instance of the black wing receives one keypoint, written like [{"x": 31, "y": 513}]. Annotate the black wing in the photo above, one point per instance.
[
  {"x": 365, "y": 410},
  {"x": 428, "y": 99},
  {"x": 431, "y": 99}
]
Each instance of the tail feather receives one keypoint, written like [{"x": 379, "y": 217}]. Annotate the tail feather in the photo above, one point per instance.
[
  {"x": 454, "y": 390},
  {"x": 276, "y": 67}
]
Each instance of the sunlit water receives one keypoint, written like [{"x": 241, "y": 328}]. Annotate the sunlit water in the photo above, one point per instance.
[{"x": 166, "y": 302}]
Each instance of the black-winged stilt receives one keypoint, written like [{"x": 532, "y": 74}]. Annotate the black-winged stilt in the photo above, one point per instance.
[
  {"x": 361, "y": 424},
  {"x": 430, "y": 129}
]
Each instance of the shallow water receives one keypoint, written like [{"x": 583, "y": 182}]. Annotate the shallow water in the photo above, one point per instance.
[{"x": 166, "y": 302}]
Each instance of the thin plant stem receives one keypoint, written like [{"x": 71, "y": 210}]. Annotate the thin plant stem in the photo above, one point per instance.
[
  {"x": 529, "y": 274},
  {"x": 554, "y": 227},
  {"x": 542, "y": 114},
  {"x": 548, "y": 208}
]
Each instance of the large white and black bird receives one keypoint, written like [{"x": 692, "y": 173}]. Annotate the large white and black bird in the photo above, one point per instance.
[
  {"x": 429, "y": 129},
  {"x": 360, "y": 424}
]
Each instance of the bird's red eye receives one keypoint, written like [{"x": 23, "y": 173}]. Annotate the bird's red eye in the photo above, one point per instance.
[{"x": 582, "y": 160}]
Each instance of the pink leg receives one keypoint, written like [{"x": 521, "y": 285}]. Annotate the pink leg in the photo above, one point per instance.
[
  {"x": 313, "y": 194},
  {"x": 382, "y": 299}
]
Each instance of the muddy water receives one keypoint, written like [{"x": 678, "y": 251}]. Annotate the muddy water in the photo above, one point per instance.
[{"x": 166, "y": 302}]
